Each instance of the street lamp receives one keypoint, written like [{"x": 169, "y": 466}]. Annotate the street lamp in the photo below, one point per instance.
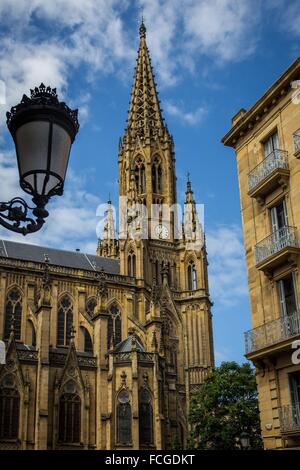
[
  {"x": 43, "y": 129},
  {"x": 245, "y": 440}
]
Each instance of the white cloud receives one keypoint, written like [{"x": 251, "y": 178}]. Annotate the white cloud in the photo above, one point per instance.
[
  {"x": 188, "y": 117},
  {"x": 227, "y": 268}
]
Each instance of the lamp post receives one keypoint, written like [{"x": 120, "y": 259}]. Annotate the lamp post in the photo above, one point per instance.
[
  {"x": 43, "y": 130},
  {"x": 244, "y": 441}
]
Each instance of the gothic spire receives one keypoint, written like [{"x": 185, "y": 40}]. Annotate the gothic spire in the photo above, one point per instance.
[
  {"x": 191, "y": 226},
  {"x": 144, "y": 116},
  {"x": 108, "y": 245}
]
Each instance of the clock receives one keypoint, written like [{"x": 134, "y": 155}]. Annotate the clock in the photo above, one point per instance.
[{"x": 161, "y": 231}]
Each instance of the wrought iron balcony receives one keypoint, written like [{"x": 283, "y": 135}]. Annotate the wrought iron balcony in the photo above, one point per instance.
[
  {"x": 270, "y": 173},
  {"x": 296, "y": 137},
  {"x": 275, "y": 248},
  {"x": 289, "y": 416},
  {"x": 272, "y": 332}
]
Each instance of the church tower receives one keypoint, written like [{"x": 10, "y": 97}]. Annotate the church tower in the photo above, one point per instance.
[{"x": 165, "y": 254}]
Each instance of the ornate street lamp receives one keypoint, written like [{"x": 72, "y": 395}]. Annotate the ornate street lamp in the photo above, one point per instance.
[{"x": 43, "y": 129}]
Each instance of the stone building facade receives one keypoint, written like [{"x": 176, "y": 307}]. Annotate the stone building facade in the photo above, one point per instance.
[
  {"x": 104, "y": 351},
  {"x": 266, "y": 139}
]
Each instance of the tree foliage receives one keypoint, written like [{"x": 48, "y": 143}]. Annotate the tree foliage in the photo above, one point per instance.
[{"x": 224, "y": 408}]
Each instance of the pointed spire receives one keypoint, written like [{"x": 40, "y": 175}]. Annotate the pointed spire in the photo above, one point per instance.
[
  {"x": 144, "y": 116},
  {"x": 191, "y": 227},
  {"x": 108, "y": 245}
]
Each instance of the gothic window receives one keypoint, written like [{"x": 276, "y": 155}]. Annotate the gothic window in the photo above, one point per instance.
[
  {"x": 90, "y": 306},
  {"x": 69, "y": 415},
  {"x": 114, "y": 325},
  {"x": 156, "y": 173},
  {"x": 9, "y": 408},
  {"x": 64, "y": 321},
  {"x": 88, "y": 344},
  {"x": 145, "y": 418},
  {"x": 13, "y": 307},
  {"x": 131, "y": 264},
  {"x": 140, "y": 177},
  {"x": 124, "y": 434},
  {"x": 192, "y": 276}
]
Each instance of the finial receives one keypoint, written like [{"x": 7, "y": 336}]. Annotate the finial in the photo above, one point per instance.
[
  {"x": 188, "y": 184},
  {"x": 72, "y": 333},
  {"x": 109, "y": 200},
  {"x": 12, "y": 325},
  {"x": 142, "y": 28}
]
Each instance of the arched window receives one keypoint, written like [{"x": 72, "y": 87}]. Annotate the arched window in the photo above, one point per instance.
[
  {"x": 192, "y": 276},
  {"x": 156, "y": 172},
  {"x": 124, "y": 433},
  {"x": 90, "y": 306},
  {"x": 64, "y": 321},
  {"x": 145, "y": 418},
  {"x": 114, "y": 325},
  {"x": 69, "y": 415},
  {"x": 140, "y": 177},
  {"x": 13, "y": 307},
  {"x": 9, "y": 408},
  {"x": 131, "y": 264},
  {"x": 88, "y": 344}
]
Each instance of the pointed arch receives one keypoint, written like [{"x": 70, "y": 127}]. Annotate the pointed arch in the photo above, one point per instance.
[
  {"x": 91, "y": 305},
  {"x": 13, "y": 308},
  {"x": 114, "y": 324},
  {"x": 140, "y": 175},
  {"x": 145, "y": 417},
  {"x": 156, "y": 175},
  {"x": 32, "y": 333},
  {"x": 192, "y": 276},
  {"x": 64, "y": 320},
  {"x": 69, "y": 429},
  {"x": 131, "y": 264},
  {"x": 124, "y": 418}
]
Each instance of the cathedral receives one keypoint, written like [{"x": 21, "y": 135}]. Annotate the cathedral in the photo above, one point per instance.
[{"x": 105, "y": 351}]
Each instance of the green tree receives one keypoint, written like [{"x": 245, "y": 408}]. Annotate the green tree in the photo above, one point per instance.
[{"x": 224, "y": 408}]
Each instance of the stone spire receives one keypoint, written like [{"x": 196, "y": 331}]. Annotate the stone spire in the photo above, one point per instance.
[
  {"x": 108, "y": 245},
  {"x": 144, "y": 116},
  {"x": 191, "y": 227}
]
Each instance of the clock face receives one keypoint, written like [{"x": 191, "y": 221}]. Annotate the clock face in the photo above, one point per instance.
[{"x": 162, "y": 231}]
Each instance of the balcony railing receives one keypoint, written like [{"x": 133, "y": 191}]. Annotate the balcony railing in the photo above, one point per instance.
[
  {"x": 277, "y": 241},
  {"x": 289, "y": 416},
  {"x": 296, "y": 137},
  {"x": 272, "y": 332},
  {"x": 278, "y": 159}
]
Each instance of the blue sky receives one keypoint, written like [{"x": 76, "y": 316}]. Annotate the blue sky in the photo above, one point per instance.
[{"x": 211, "y": 57}]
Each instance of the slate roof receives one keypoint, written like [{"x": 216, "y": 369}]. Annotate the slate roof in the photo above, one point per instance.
[
  {"x": 126, "y": 345},
  {"x": 67, "y": 259}
]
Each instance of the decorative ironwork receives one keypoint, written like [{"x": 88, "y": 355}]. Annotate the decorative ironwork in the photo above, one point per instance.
[
  {"x": 289, "y": 416},
  {"x": 278, "y": 159},
  {"x": 272, "y": 332},
  {"x": 277, "y": 241},
  {"x": 14, "y": 215},
  {"x": 296, "y": 137},
  {"x": 42, "y": 95}
]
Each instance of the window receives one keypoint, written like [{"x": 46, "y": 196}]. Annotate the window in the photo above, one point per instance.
[
  {"x": 294, "y": 383},
  {"x": 88, "y": 344},
  {"x": 156, "y": 176},
  {"x": 287, "y": 295},
  {"x": 139, "y": 175},
  {"x": 131, "y": 264},
  {"x": 64, "y": 321},
  {"x": 90, "y": 306},
  {"x": 271, "y": 144},
  {"x": 192, "y": 276},
  {"x": 124, "y": 434},
  {"x": 9, "y": 408},
  {"x": 114, "y": 326},
  {"x": 279, "y": 218},
  {"x": 69, "y": 415},
  {"x": 145, "y": 418},
  {"x": 13, "y": 310}
]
